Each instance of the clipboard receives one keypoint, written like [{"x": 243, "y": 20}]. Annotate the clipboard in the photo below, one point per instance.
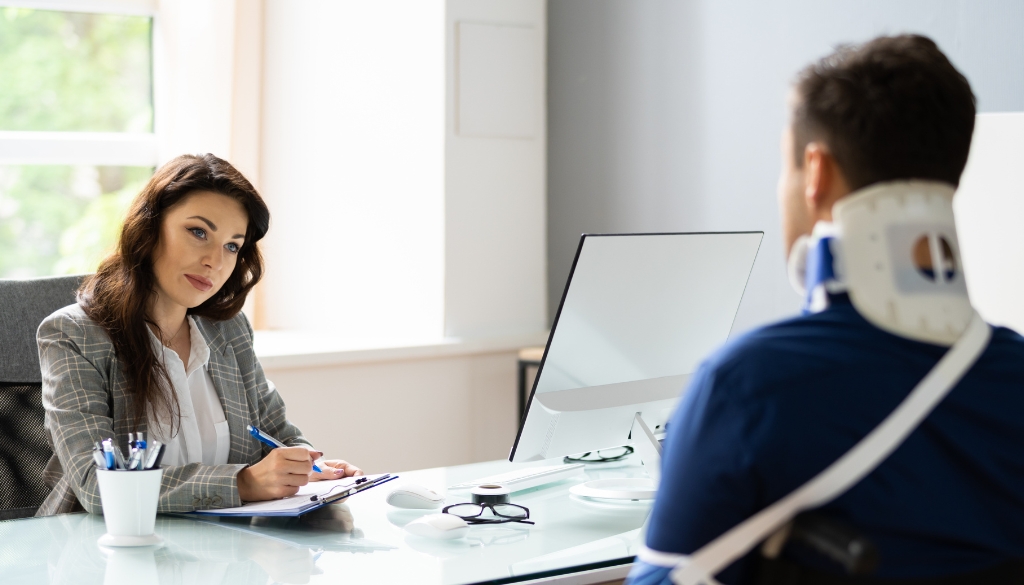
[{"x": 310, "y": 497}]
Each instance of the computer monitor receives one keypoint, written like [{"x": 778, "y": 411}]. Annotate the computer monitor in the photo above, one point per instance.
[{"x": 639, "y": 313}]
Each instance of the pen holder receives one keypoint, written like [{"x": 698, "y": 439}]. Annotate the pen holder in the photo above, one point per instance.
[{"x": 129, "y": 506}]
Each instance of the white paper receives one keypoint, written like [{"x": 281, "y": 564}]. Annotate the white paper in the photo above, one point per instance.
[{"x": 293, "y": 503}]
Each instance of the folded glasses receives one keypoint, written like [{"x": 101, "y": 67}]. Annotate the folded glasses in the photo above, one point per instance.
[
  {"x": 500, "y": 513},
  {"x": 602, "y": 456}
]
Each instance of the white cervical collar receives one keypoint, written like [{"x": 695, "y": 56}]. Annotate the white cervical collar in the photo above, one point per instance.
[{"x": 868, "y": 252}]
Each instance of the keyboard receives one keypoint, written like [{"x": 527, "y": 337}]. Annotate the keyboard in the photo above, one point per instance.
[{"x": 526, "y": 478}]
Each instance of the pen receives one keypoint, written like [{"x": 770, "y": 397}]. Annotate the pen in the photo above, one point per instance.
[
  {"x": 97, "y": 456},
  {"x": 118, "y": 455},
  {"x": 152, "y": 453},
  {"x": 267, "y": 439},
  {"x": 159, "y": 448},
  {"x": 139, "y": 454},
  {"x": 130, "y": 463},
  {"x": 134, "y": 460},
  {"x": 108, "y": 455}
]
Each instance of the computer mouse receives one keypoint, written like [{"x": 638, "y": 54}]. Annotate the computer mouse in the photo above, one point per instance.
[
  {"x": 438, "y": 526},
  {"x": 415, "y": 497}
]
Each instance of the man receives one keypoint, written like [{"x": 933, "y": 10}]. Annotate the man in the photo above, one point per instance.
[{"x": 772, "y": 409}]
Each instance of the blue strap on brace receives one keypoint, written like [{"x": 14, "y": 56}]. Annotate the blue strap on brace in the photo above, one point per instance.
[{"x": 820, "y": 270}]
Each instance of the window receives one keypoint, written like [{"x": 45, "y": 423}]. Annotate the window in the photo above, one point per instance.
[{"x": 76, "y": 131}]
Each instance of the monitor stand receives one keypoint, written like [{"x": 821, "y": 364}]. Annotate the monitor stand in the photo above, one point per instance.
[{"x": 632, "y": 488}]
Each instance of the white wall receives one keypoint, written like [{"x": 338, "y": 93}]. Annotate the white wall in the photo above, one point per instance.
[
  {"x": 989, "y": 208},
  {"x": 666, "y": 116},
  {"x": 182, "y": 123},
  {"x": 400, "y": 414},
  {"x": 390, "y": 220},
  {"x": 353, "y": 167},
  {"x": 495, "y": 157},
  {"x": 394, "y": 224}
]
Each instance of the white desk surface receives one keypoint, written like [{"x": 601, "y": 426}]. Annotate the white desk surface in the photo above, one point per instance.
[{"x": 361, "y": 541}]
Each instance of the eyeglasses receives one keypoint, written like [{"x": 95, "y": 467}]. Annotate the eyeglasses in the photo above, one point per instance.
[
  {"x": 603, "y": 456},
  {"x": 501, "y": 513}
]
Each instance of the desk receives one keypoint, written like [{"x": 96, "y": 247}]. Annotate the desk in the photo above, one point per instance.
[{"x": 362, "y": 542}]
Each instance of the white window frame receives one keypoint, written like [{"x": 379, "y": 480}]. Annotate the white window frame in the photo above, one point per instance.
[{"x": 84, "y": 148}]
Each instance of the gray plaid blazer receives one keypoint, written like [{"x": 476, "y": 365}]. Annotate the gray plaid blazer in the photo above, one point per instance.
[{"x": 84, "y": 394}]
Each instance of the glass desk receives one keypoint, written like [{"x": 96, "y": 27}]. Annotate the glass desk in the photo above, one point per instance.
[{"x": 361, "y": 541}]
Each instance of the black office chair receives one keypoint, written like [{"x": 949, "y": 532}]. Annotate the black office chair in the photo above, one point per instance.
[
  {"x": 854, "y": 555},
  {"x": 841, "y": 545},
  {"x": 24, "y": 445}
]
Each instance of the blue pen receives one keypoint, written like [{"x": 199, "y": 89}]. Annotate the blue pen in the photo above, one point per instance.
[
  {"x": 265, "y": 438},
  {"x": 108, "y": 453}
]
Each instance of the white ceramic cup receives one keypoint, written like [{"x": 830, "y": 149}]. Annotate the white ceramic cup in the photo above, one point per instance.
[{"x": 129, "y": 506}]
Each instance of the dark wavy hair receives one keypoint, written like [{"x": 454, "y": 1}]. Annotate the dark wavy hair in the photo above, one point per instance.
[
  {"x": 116, "y": 297},
  {"x": 891, "y": 108}
]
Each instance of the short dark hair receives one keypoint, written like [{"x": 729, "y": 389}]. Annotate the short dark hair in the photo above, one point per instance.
[{"x": 892, "y": 108}]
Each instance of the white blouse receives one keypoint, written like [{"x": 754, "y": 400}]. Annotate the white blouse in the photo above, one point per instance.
[{"x": 203, "y": 435}]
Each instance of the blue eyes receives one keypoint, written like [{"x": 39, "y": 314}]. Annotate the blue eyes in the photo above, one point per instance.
[{"x": 201, "y": 234}]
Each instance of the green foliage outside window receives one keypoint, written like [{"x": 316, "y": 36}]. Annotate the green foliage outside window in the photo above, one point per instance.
[
  {"x": 62, "y": 219},
  {"x": 69, "y": 72}
]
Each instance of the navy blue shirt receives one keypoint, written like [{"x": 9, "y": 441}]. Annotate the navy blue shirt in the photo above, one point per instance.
[{"x": 773, "y": 408}]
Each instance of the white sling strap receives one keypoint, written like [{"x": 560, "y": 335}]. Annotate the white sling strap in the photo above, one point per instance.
[{"x": 844, "y": 473}]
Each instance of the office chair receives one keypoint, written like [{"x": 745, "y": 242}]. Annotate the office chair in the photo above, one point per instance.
[
  {"x": 24, "y": 443},
  {"x": 854, "y": 555},
  {"x": 839, "y": 544}
]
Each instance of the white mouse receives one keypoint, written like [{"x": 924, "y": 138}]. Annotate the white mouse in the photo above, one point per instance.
[
  {"x": 438, "y": 526},
  {"x": 415, "y": 497}
]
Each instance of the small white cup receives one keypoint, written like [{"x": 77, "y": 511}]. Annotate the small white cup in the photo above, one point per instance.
[{"x": 129, "y": 506}]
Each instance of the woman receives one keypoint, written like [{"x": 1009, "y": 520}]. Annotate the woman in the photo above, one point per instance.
[{"x": 157, "y": 343}]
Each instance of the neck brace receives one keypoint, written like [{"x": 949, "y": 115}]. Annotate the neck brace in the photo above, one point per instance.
[{"x": 868, "y": 251}]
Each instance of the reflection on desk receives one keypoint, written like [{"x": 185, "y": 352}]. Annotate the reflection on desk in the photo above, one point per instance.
[
  {"x": 199, "y": 552},
  {"x": 362, "y": 539}
]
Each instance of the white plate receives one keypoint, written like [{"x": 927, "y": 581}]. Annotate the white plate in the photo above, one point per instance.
[{"x": 622, "y": 488}]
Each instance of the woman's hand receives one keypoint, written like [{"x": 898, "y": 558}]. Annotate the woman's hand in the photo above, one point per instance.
[
  {"x": 336, "y": 469},
  {"x": 281, "y": 473}
]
